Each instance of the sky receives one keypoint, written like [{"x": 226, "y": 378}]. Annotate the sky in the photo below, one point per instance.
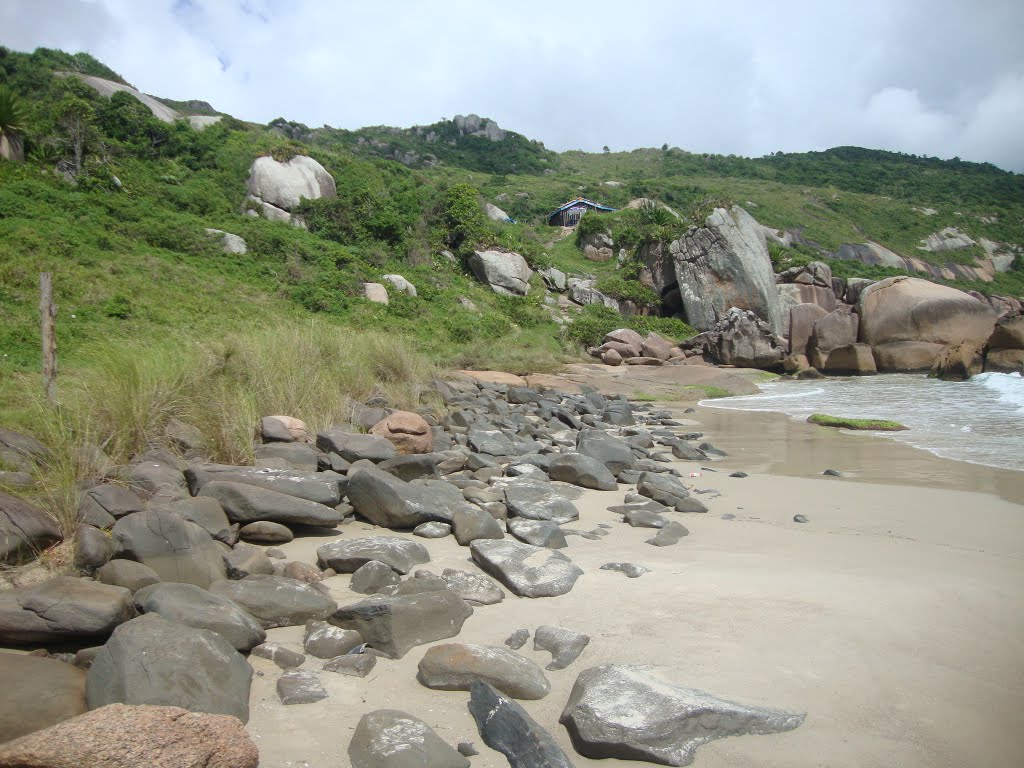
[{"x": 941, "y": 78}]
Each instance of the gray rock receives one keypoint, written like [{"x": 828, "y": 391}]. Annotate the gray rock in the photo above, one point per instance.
[
  {"x": 539, "y": 501},
  {"x": 411, "y": 467},
  {"x": 265, "y": 532},
  {"x": 739, "y": 474},
  {"x": 276, "y": 601},
  {"x": 38, "y": 693},
  {"x": 650, "y": 718},
  {"x": 642, "y": 518},
  {"x": 156, "y": 480},
  {"x": 454, "y": 666},
  {"x": 204, "y": 511},
  {"x": 470, "y": 525},
  {"x": 669, "y": 534},
  {"x": 466, "y": 747},
  {"x": 92, "y": 548},
  {"x": 517, "y": 639},
  {"x": 150, "y": 660},
  {"x": 742, "y": 339},
  {"x": 389, "y": 502},
  {"x": 687, "y": 452},
  {"x": 389, "y": 738},
  {"x": 394, "y": 625},
  {"x": 564, "y": 645},
  {"x": 352, "y": 665},
  {"x": 247, "y": 560},
  {"x": 194, "y": 607},
  {"x": 285, "y": 658},
  {"x": 128, "y": 574},
  {"x": 298, "y": 686},
  {"x": 614, "y": 453},
  {"x": 353, "y": 446},
  {"x": 345, "y": 556},
  {"x": 832, "y": 473},
  {"x": 490, "y": 442},
  {"x": 505, "y": 272},
  {"x": 175, "y": 549},
  {"x": 103, "y": 502},
  {"x": 505, "y": 726},
  {"x": 619, "y": 413},
  {"x": 319, "y": 487},
  {"x": 577, "y": 469},
  {"x": 631, "y": 570},
  {"x": 432, "y": 530},
  {"x": 800, "y": 519},
  {"x": 244, "y": 503},
  {"x": 61, "y": 609},
  {"x": 370, "y": 578},
  {"x": 325, "y": 641},
  {"x": 668, "y": 491},
  {"x": 279, "y": 187},
  {"x": 299, "y": 456},
  {"x": 474, "y": 588},
  {"x": 25, "y": 530},
  {"x": 540, "y": 533},
  {"x": 23, "y": 452},
  {"x": 526, "y": 570}
]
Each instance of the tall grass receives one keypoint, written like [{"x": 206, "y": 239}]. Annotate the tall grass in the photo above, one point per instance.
[{"x": 121, "y": 399}]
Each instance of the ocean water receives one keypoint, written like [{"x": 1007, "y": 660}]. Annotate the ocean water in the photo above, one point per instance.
[{"x": 979, "y": 421}]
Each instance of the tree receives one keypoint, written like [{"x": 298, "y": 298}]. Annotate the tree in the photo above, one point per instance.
[
  {"x": 605, "y": 149},
  {"x": 13, "y": 119}
]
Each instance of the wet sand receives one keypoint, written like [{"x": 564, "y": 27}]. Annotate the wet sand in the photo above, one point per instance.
[{"x": 894, "y": 617}]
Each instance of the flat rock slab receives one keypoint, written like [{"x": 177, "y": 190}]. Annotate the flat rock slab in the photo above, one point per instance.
[
  {"x": 505, "y": 726},
  {"x": 474, "y": 588},
  {"x": 669, "y": 491},
  {"x": 194, "y": 607},
  {"x": 454, "y": 666},
  {"x": 536, "y": 500},
  {"x": 150, "y": 660},
  {"x": 539, "y": 533},
  {"x": 298, "y": 686},
  {"x": 61, "y": 609},
  {"x": 160, "y": 737},
  {"x": 347, "y": 556},
  {"x": 394, "y": 625},
  {"x": 564, "y": 645},
  {"x": 174, "y": 548},
  {"x": 636, "y": 713},
  {"x": 390, "y": 738},
  {"x": 527, "y": 570},
  {"x": 312, "y": 486},
  {"x": 285, "y": 658},
  {"x": 244, "y": 503},
  {"x": 584, "y": 471},
  {"x": 276, "y": 601},
  {"x": 432, "y": 530},
  {"x": 669, "y": 534},
  {"x": 325, "y": 641},
  {"x": 352, "y": 664},
  {"x": 353, "y": 446}
]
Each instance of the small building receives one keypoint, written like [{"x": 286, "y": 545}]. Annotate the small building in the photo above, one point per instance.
[{"x": 568, "y": 215}]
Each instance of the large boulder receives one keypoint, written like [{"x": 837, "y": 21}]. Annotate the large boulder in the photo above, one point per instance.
[
  {"x": 394, "y": 625},
  {"x": 667, "y": 490},
  {"x": 635, "y": 713},
  {"x": 353, "y": 446},
  {"x": 505, "y": 726},
  {"x": 834, "y": 330},
  {"x": 407, "y": 431},
  {"x": 389, "y": 738},
  {"x": 581, "y": 470},
  {"x": 906, "y": 356},
  {"x": 123, "y": 736},
  {"x": 38, "y": 693},
  {"x": 505, "y": 272},
  {"x": 725, "y": 264},
  {"x": 175, "y": 549},
  {"x": 318, "y": 487},
  {"x": 1005, "y": 353},
  {"x": 742, "y": 339},
  {"x": 385, "y": 500},
  {"x": 911, "y": 309},
  {"x": 64, "y": 608},
  {"x": 454, "y": 666},
  {"x": 539, "y": 500},
  {"x": 278, "y": 188},
  {"x": 614, "y": 453},
  {"x": 802, "y": 318},
  {"x": 194, "y": 607},
  {"x": 277, "y": 601},
  {"x": 150, "y": 660},
  {"x": 347, "y": 556},
  {"x": 527, "y": 570},
  {"x": 245, "y": 503},
  {"x": 25, "y": 530}
]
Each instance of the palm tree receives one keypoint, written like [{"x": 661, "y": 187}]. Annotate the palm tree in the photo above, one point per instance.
[{"x": 13, "y": 119}]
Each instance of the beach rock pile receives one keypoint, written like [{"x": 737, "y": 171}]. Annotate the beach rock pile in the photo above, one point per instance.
[{"x": 182, "y": 586}]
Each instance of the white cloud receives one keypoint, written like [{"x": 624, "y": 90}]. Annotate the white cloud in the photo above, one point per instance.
[{"x": 936, "y": 77}]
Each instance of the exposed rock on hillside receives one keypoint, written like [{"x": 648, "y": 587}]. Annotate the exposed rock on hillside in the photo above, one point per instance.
[
  {"x": 506, "y": 272},
  {"x": 277, "y": 188},
  {"x": 108, "y": 88},
  {"x": 474, "y": 125}
]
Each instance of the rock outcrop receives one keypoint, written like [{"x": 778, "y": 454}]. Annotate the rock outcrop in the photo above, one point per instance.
[
  {"x": 277, "y": 188},
  {"x": 506, "y": 272}
]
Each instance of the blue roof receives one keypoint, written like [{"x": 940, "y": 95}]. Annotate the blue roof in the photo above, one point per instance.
[{"x": 580, "y": 201}]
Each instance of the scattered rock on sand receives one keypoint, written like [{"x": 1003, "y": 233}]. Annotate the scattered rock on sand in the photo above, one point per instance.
[
  {"x": 800, "y": 519},
  {"x": 299, "y": 686},
  {"x": 454, "y": 666},
  {"x": 635, "y": 713},
  {"x": 564, "y": 645},
  {"x": 285, "y": 658},
  {"x": 325, "y": 641},
  {"x": 276, "y": 601},
  {"x": 347, "y": 556},
  {"x": 194, "y": 607},
  {"x": 670, "y": 534},
  {"x": 389, "y": 738},
  {"x": 540, "y": 533},
  {"x": 517, "y": 639},
  {"x": 160, "y": 737},
  {"x": 474, "y": 588},
  {"x": 584, "y": 471},
  {"x": 352, "y": 664},
  {"x": 505, "y": 726},
  {"x": 527, "y": 570},
  {"x": 432, "y": 530},
  {"x": 631, "y": 570},
  {"x": 370, "y": 578}
]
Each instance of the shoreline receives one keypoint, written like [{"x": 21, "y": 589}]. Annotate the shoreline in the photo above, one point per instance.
[{"x": 894, "y": 618}]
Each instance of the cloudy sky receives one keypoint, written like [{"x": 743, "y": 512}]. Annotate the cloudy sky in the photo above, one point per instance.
[{"x": 934, "y": 77}]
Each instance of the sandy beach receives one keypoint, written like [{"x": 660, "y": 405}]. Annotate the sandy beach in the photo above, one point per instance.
[{"x": 894, "y": 618}]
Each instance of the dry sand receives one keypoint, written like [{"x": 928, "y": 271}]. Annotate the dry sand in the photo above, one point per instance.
[{"x": 894, "y": 618}]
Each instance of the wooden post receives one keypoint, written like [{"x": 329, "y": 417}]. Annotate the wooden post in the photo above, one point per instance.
[{"x": 48, "y": 314}]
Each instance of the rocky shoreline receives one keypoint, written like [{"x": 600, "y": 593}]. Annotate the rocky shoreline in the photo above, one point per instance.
[{"x": 343, "y": 577}]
